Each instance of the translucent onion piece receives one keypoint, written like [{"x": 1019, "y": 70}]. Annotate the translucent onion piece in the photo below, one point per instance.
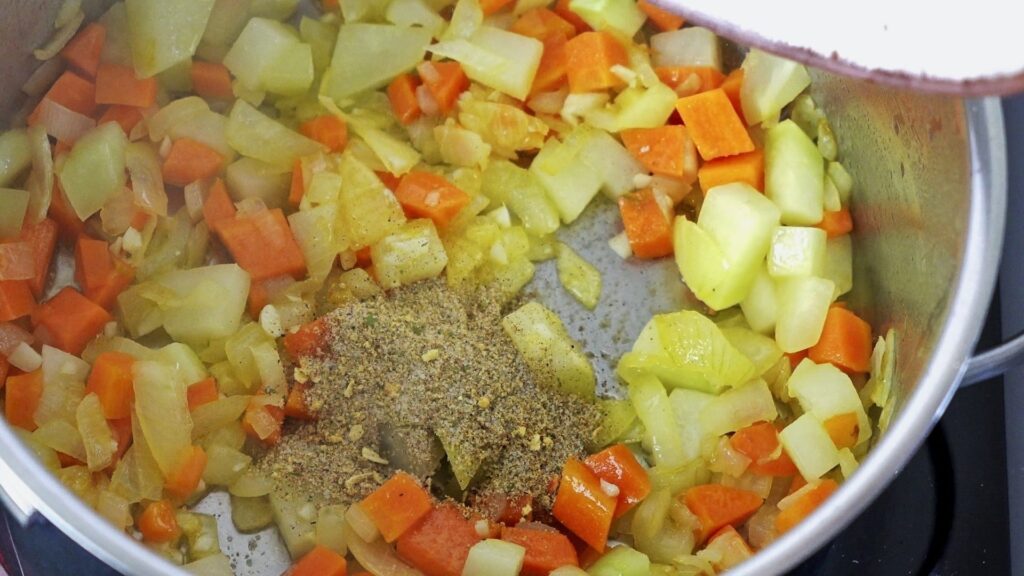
[
  {"x": 162, "y": 408},
  {"x": 195, "y": 197},
  {"x": 361, "y": 524},
  {"x": 16, "y": 261},
  {"x": 63, "y": 437},
  {"x": 24, "y": 358},
  {"x": 728, "y": 461},
  {"x": 114, "y": 508},
  {"x": 62, "y": 123},
  {"x": 11, "y": 336},
  {"x": 146, "y": 178},
  {"x": 377, "y": 557},
  {"x": 40, "y": 180},
  {"x": 63, "y": 34},
  {"x": 117, "y": 214},
  {"x": 98, "y": 439}
]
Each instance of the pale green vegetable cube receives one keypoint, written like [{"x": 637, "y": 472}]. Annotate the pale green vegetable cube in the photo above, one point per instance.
[
  {"x": 702, "y": 264},
  {"x": 291, "y": 72},
  {"x": 621, "y": 16},
  {"x": 761, "y": 307},
  {"x": 395, "y": 50},
  {"x": 688, "y": 405},
  {"x": 215, "y": 565},
  {"x": 496, "y": 58},
  {"x": 826, "y": 391},
  {"x": 762, "y": 350},
  {"x": 258, "y": 136},
  {"x": 738, "y": 408},
  {"x": 693, "y": 46},
  {"x": 211, "y": 301},
  {"x": 314, "y": 232},
  {"x": 251, "y": 178},
  {"x": 610, "y": 160},
  {"x": 295, "y": 521},
  {"x": 803, "y": 305},
  {"x": 94, "y": 170},
  {"x": 769, "y": 83},
  {"x": 621, "y": 561},
  {"x": 831, "y": 202},
  {"x": 97, "y": 438},
  {"x": 321, "y": 37},
  {"x": 494, "y": 558},
  {"x": 250, "y": 514},
  {"x": 227, "y": 19},
  {"x": 412, "y": 253},
  {"x": 797, "y": 251},
  {"x": 165, "y": 32},
  {"x": 410, "y": 13},
  {"x": 330, "y": 528},
  {"x": 186, "y": 362},
  {"x": 200, "y": 531},
  {"x": 519, "y": 189},
  {"x": 655, "y": 412},
  {"x": 578, "y": 276},
  {"x": 570, "y": 183},
  {"x": 839, "y": 264},
  {"x": 367, "y": 210},
  {"x": 552, "y": 355},
  {"x": 794, "y": 174},
  {"x": 635, "y": 107},
  {"x": 161, "y": 405},
  {"x": 466, "y": 19},
  {"x": 841, "y": 179},
  {"x": 809, "y": 446},
  {"x": 13, "y": 206},
  {"x": 213, "y": 416},
  {"x": 15, "y": 155},
  {"x": 224, "y": 465}
]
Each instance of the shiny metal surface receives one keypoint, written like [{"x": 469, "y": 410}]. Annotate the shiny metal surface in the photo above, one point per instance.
[{"x": 930, "y": 191}]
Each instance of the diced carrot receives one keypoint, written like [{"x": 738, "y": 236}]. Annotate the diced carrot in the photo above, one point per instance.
[
  {"x": 42, "y": 237},
  {"x": 190, "y": 160},
  {"x": 83, "y": 51},
  {"x": 118, "y": 84},
  {"x": 5, "y": 368},
  {"x": 760, "y": 443},
  {"x": 663, "y": 19},
  {"x": 660, "y": 150},
  {"x": 184, "y": 480},
  {"x": 795, "y": 358},
  {"x": 202, "y": 392},
  {"x": 72, "y": 92},
  {"x": 402, "y": 95},
  {"x": 328, "y": 130},
  {"x": 63, "y": 214},
  {"x": 126, "y": 116},
  {"x": 444, "y": 80},
  {"x": 554, "y": 62},
  {"x": 591, "y": 56},
  {"x": 69, "y": 320},
  {"x": 845, "y": 341},
  {"x": 804, "y": 505},
  {"x": 491, "y": 6},
  {"x": 263, "y": 245},
  {"x": 211, "y": 80},
  {"x": 263, "y": 422},
  {"x": 747, "y": 168},
  {"x": 545, "y": 551},
  {"x": 140, "y": 219},
  {"x": 731, "y": 86},
  {"x": 61, "y": 148},
  {"x": 427, "y": 195},
  {"x": 397, "y": 505},
  {"x": 390, "y": 181},
  {"x": 100, "y": 274},
  {"x": 296, "y": 405},
  {"x": 298, "y": 185},
  {"x": 716, "y": 506},
  {"x": 673, "y": 76},
  {"x": 582, "y": 506},
  {"x": 542, "y": 23},
  {"x": 158, "y": 524},
  {"x": 798, "y": 483},
  {"x": 68, "y": 461},
  {"x": 843, "y": 429},
  {"x": 122, "y": 430},
  {"x": 504, "y": 509},
  {"x": 715, "y": 127},
  {"x": 258, "y": 298},
  {"x": 218, "y": 206},
  {"x": 617, "y": 465},
  {"x": 17, "y": 261},
  {"x": 21, "y": 399},
  {"x": 329, "y": 4},
  {"x": 16, "y": 300},
  {"x": 111, "y": 381},
  {"x": 320, "y": 561},
  {"x": 727, "y": 548},
  {"x": 648, "y": 224},
  {"x": 562, "y": 9},
  {"x": 836, "y": 223},
  {"x": 439, "y": 544},
  {"x": 307, "y": 340}
]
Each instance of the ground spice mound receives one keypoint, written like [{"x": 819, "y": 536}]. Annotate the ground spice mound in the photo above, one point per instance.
[{"x": 408, "y": 374}]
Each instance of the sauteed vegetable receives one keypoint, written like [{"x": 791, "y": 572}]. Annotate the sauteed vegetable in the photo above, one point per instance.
[{"x": 289, "y": 256}]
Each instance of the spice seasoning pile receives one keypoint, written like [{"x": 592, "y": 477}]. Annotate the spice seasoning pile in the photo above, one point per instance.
[{"x": 416, "y": 373}]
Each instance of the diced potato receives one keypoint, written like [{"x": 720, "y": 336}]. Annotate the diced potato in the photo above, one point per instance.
[
  {"x": 553, "y": 357},
  {"x": 803, "y": 305},
  {"x": 797, "y": 251},
  {"x": 396, "y": 49},
  {"x": 224, "y": 465},
  {"x": 411, "y": 254},
  {"x": 692, "y": 46},
  {"x": 494, "y": 558},
  {"x": 94, "y": 171},
  {"x": 769, "y": 83},
  {"x": 807, "y": 442},
  {"x": 367, "y": 210},
  {"x": 153, "y": 48},
  {"x": 296, "y": 522}
]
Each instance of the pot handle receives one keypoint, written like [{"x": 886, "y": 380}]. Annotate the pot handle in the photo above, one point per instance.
[{"x": 994, "y": 362}]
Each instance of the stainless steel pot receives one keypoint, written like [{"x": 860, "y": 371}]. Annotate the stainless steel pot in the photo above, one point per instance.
[{"x": 930, "y": 192}]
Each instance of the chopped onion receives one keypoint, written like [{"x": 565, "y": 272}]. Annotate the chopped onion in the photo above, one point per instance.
[
  {"x": 64, "y": 33},
  {"x": 63, "y": 123},
  {"x": 620, "y": 245},
  {"x": 40, "y": 180},
  {"x": 426, "y": 101},
  {"x": 361, "y": 524},
  {"x": 43, "y": 77},
  {"x": 548, "y": 102},
  {"x": 728, "y": 461},
  {"x": 117, "y": 214},
  {"x": 11, "y": 336},
  {"x": 609, "y": 488},
  {"x": 377, "y": 557},
  {"x": 195, "y": 197},
  {"x": 24, "y": 358},
  {"x": 16, "y": 261},
  {"x": 250, "y": 206},
  {"x": 796, "y": 496},
  {"x": 147, "y": 178}
]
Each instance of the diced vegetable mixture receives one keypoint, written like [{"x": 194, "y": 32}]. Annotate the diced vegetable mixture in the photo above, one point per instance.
[{"x": 191, "y": 176}]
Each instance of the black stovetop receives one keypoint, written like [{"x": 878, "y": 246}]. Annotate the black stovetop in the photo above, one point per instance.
[{"x": 947, "y": 513}]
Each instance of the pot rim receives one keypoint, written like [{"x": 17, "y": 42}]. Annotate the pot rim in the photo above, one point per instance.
[{"x": 31, "y": 488}]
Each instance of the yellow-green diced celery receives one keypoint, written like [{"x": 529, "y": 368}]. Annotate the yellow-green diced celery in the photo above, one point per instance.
[
  {"x": 13, "y": 206},
  {"x": 153, "y": 48},
  {"x": 578, "y": 276},
  {"x": 622, "y": 16},
  {"x": 412, "y": 253},
  {"x": 841, "y": 179},
  {"x": 760, "y": 307},
  {"x": 227, "y": 19},
  {"x": 621, "y": 561},
  {"x": 738, "y": 408},
  {"x": 314, "y": 232},
  {"x": 395, "y": 50},
  {"x": 794, "y": 174},
  {"x": 258, "y": 136},
  {"x": 94, "y": 171},
  {"x": 553, "y": 357},
  {"x": 619, "y": 417},
  {"x": 808, "y": 444},
  {"x": 15, "y": 155},
  {"x": 655, "y": 412}
]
